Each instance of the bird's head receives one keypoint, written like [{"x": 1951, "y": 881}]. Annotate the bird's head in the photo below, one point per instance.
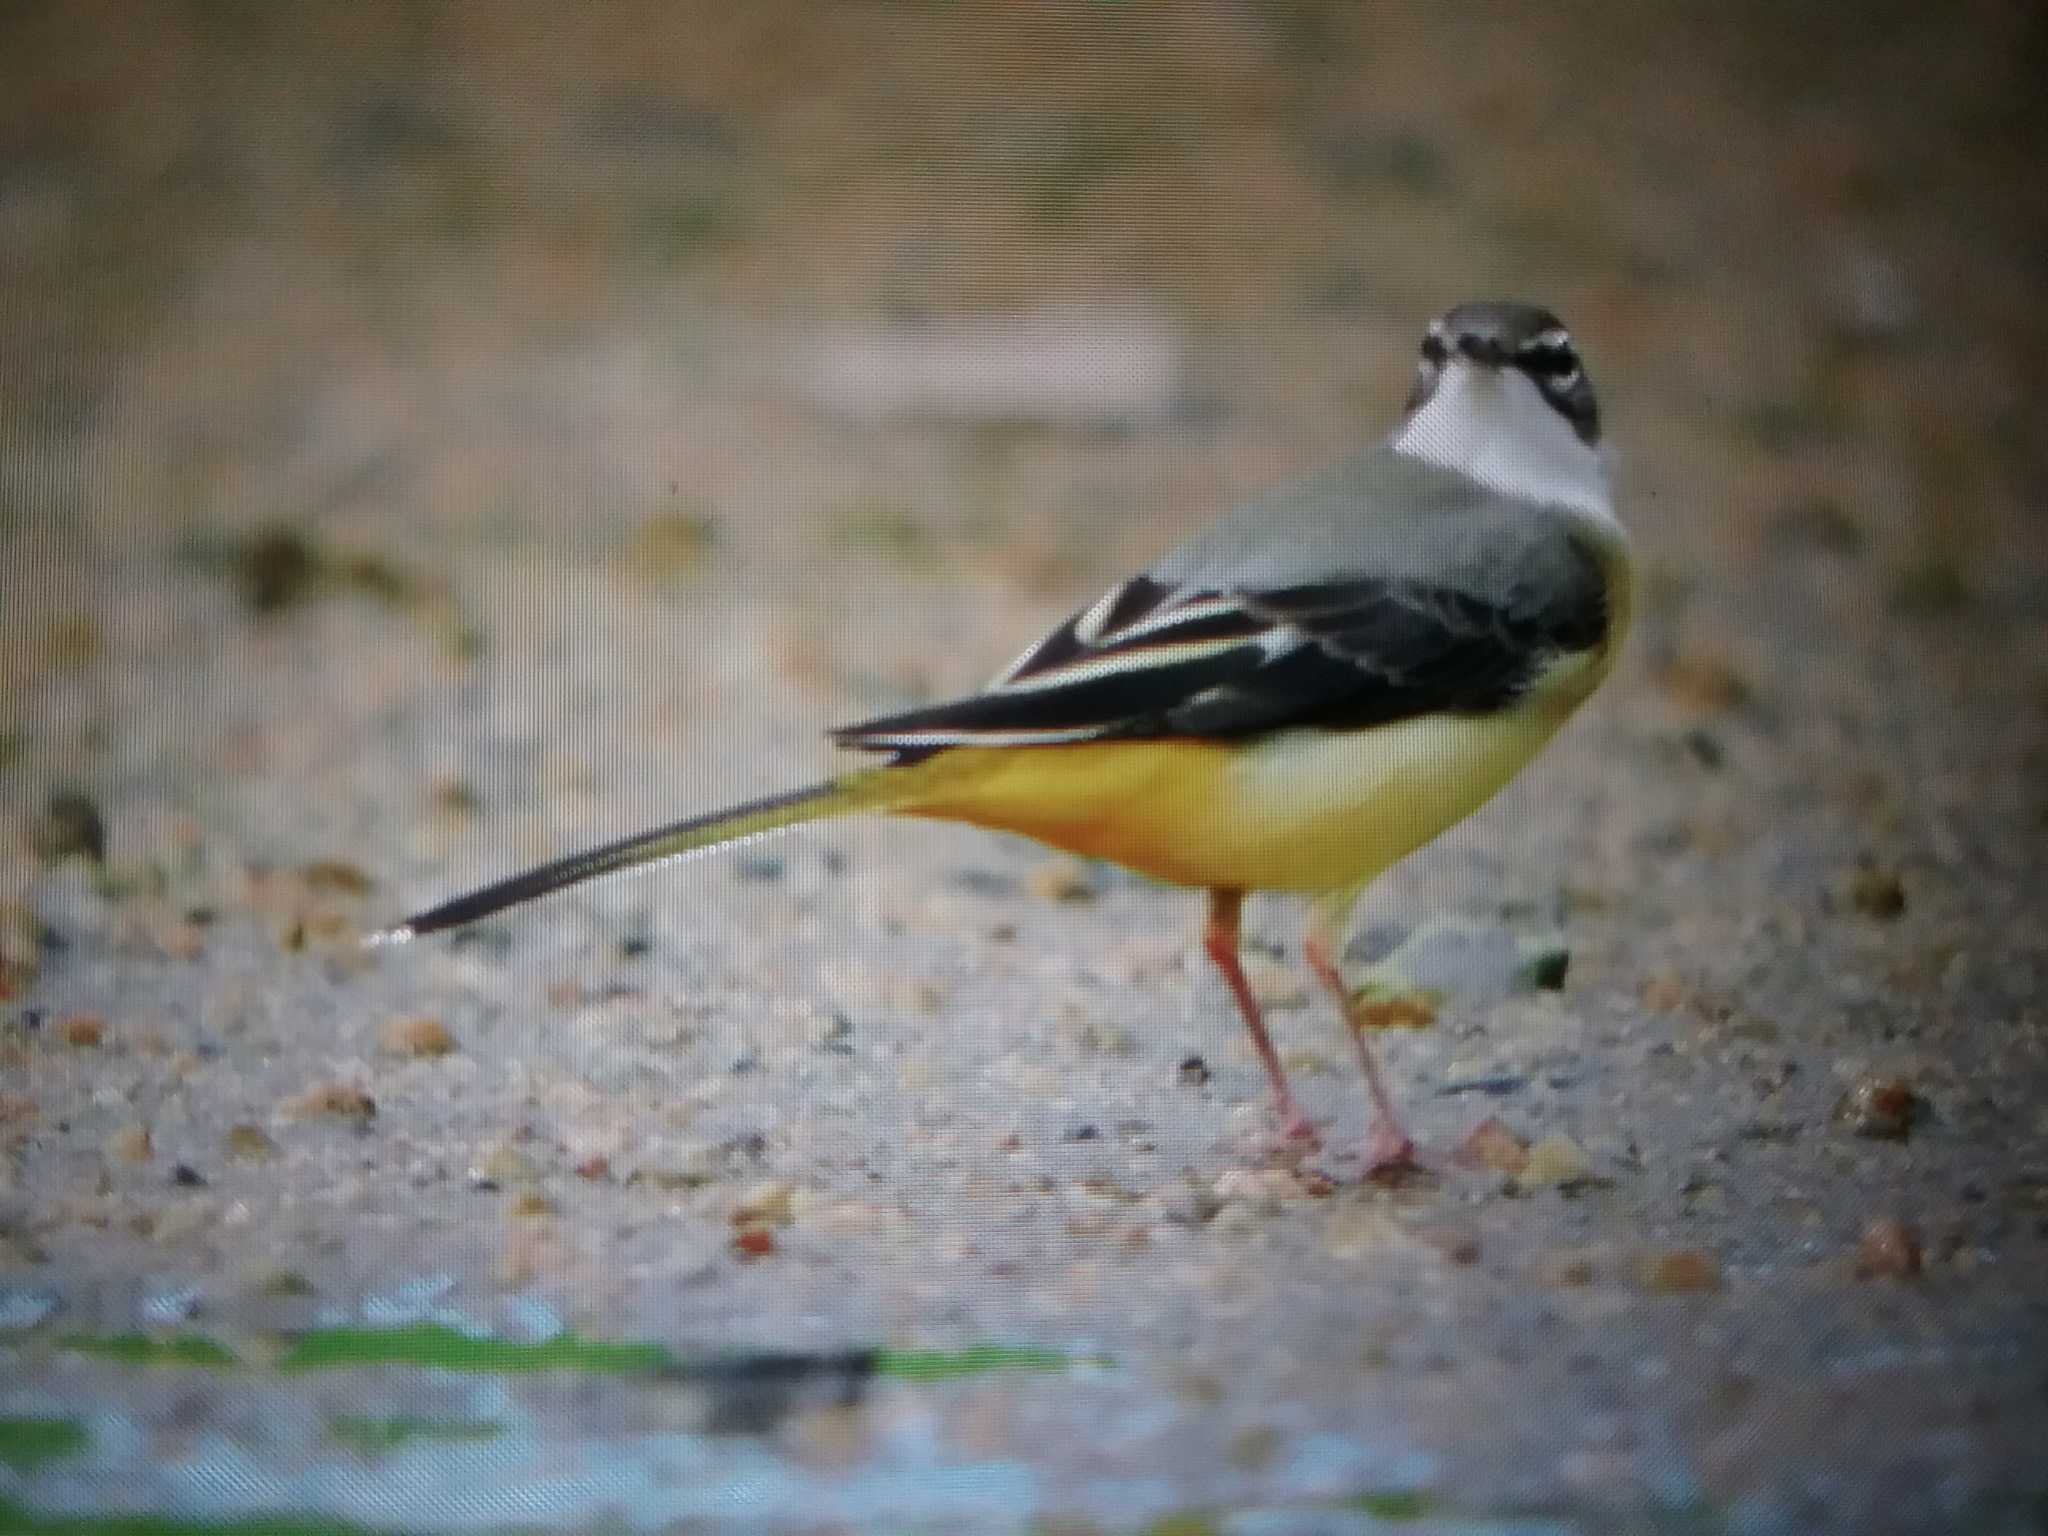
[
  {"x": 1512, "y": 342},
  {"x": 1500, "y": 394}
]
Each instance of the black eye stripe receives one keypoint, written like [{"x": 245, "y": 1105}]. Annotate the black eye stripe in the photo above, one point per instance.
[{"x": 1551, "y": 362}]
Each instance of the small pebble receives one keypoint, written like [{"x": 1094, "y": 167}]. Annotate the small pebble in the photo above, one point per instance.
[
  {"x": 249, "y": 1144},
  {"x": 834, "y": 1034},
  {"x": 533, "y": 1203},
  {"x": 420, "y": 1037},
  {"x": 1253, "y": 1449},
  {"x": 274, "y": 569},
  {"x": 1493, "y": 1144},
  {"x": 532, "y": 1320},
  {"x": 984, "y": 882},
  {"x": 1193, "y": 1072},
  {"x": 1260, "y": 1189},
  {"x": 70, "y": 824},
  {"x": 83, "y": 1031},
  {"x": 1306, "y": 1061},
  {"x": 767, "y": 1204},
  {"x": 1496, "y": 1085},
  {"x": 186, "y": 1221},
  {"x": 176, "y": 938},
  {"x": 1189, "y": 1203},
  {"x": 163, "y": 1309},
  {"x": 1101, "y": 1037},
  {"x": 22, "y": 1310},
  {"x": 1568, "y": 1269},
  {"x": 1707, "y": 683},
  {"x": 1544, "y": 967},
  {"x": 1705, "y": 750},
  {"x": 1554, "y": 1162},
  {"x": 1353, "y": 1230},
  {"x": 1882, "y": 1108},
  {"x": 336, "y": 877},
  {"x": 1681, "y": 1271},
  {"x": 1411, "y": 1010},
  {"x": 1061, "y": 880},
  {"x": 1457, "y": 1246},
  {"x": 1888, "y": 1249},
  {"x": 408, "y": 1302},
  {"x": 1663, "y": 994},
  {"x": 503, "y": 1166},
  {"x": 1877, "y": 893},
  {"x": 595, "y": 1167},
  {"x": 342, "y": 1101},
  {"x": 467, "y": 1324},
  {"x": 852, "y": 1218},
  {"x": 131, "y": 1144},
  {"x": 185, "y": 1176}
]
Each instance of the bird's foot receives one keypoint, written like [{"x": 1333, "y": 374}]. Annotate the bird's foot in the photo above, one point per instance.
[
  {"x": 1297, "y": 1130},
  {"x": 1390, "y": 1154},
  {"x": 1286, "y": 1143}
]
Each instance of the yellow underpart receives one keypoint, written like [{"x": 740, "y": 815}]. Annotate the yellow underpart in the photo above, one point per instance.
[{"x": 1302, "y": 810}]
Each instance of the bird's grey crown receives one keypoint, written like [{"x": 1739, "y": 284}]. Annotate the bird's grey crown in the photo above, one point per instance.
[
  {"x": 1499, "y": 333},
  {"x": 1496, "y": 327}
]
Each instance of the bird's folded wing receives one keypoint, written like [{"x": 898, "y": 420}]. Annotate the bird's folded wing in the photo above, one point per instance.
[{"x": 1156, "y": 660}]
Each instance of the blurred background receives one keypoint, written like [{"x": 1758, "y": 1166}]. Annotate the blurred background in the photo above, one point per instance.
[
  {"x": 401, "y": 275},
  {"x": 344, "y": 297},
  {"x": 434, "y": 436}
]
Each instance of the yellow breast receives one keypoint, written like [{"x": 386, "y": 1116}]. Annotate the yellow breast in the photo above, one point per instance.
[{"x": 1304, "y": 810}]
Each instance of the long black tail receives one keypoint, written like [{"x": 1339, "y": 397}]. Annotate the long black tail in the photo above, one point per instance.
[{"x": 859, "y": 791}]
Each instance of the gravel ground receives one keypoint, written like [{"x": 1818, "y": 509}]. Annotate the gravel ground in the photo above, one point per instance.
[{"x": 421, "y": 471}]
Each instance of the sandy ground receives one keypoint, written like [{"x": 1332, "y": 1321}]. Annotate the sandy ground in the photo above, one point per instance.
[{"x": 447, "y": 455}]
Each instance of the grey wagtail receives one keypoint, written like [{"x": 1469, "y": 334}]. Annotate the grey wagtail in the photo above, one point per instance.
[{"x": 1293, "y": 700}]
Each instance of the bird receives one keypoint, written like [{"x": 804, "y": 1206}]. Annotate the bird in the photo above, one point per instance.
[{"x": 1292, "y": 701}]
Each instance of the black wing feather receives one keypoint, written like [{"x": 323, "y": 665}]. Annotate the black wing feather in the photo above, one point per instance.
[
  {"x": 1340, "y": 655},
  {"x": 1111, "y": 704}
]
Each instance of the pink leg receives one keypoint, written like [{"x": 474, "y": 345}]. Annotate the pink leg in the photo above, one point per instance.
[
  {"x": 1219, "y": 938},
  {"x": 1390, "y": 1147}
]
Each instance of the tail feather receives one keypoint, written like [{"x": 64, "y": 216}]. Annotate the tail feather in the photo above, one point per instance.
[{"x": 862, "y": 791}]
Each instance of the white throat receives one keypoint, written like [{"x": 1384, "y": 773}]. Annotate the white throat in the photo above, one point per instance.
[{"x": 1494, "y": 426}]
